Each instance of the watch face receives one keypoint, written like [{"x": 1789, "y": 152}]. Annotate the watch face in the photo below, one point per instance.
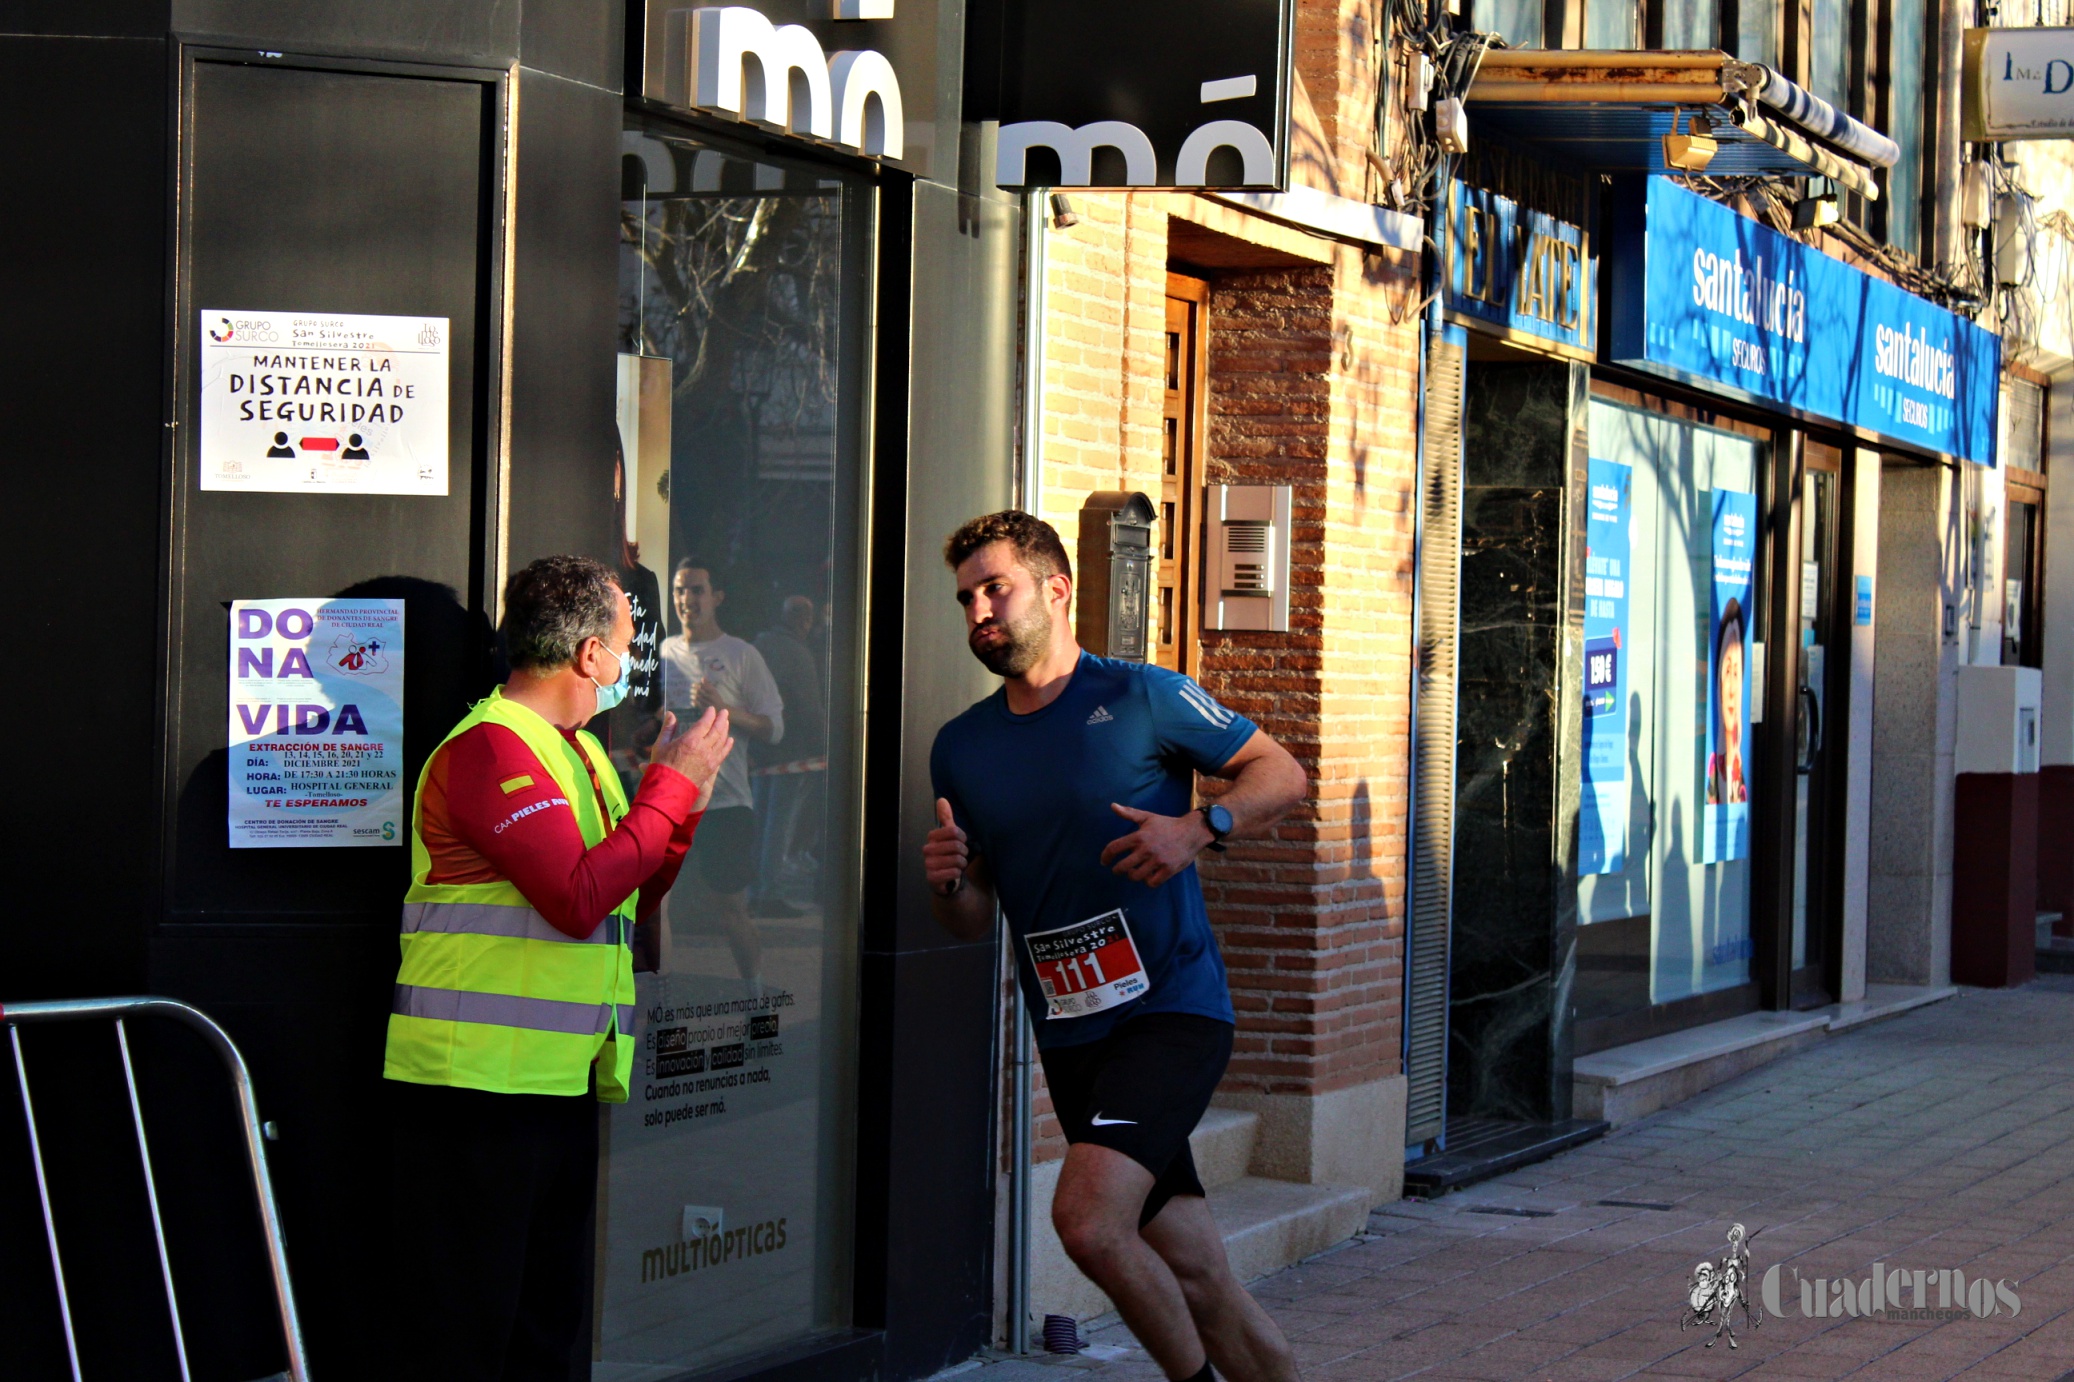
[{"x": 1220, "y": 820}]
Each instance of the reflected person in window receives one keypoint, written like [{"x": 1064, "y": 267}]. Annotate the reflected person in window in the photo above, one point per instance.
[{"x": 705, "y": 667}]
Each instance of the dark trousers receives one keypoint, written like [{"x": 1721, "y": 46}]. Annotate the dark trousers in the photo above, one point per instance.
[{"x": 493, "y": 1202}]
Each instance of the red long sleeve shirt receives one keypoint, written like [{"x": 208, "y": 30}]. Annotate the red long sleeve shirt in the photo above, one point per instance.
[{"x": 490, "y": 810}]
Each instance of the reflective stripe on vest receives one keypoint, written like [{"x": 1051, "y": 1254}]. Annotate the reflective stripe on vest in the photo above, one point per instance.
[
  {"x": 510, "y": 1010},
  {"x": 489, "y": 994},
  {"x": 497, "y": 919}
]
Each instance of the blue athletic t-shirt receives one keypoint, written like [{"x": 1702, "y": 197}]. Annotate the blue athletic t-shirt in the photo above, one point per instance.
[{"x": 1033, "y": 792}]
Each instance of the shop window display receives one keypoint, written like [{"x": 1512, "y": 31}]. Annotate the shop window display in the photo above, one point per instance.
[
  {"x": 725, "y": 1201},
  {"x": 1689, "y": 668}
]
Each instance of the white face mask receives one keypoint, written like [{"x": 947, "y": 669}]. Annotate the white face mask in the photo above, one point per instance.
[{"x": 612, "y": 693}]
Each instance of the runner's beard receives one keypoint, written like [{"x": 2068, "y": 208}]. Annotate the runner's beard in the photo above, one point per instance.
[{"x": 1025, "y": 643}]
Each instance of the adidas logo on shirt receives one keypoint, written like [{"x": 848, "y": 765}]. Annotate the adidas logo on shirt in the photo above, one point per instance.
[{"x": 1101, "y": 716}]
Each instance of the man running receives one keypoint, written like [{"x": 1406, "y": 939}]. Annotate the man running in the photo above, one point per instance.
[{"x": 1068, "y": 794}]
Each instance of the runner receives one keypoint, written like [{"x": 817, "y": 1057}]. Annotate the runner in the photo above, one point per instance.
[{"x": 1068, "y": 793}]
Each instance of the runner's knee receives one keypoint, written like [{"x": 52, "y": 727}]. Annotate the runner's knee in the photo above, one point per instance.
[{"x": 1089, "y": 1236}]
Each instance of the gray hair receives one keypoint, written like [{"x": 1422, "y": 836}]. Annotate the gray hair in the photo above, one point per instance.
[{"x": 552, "y": 606}]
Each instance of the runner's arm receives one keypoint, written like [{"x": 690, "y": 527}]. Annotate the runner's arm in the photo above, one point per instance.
[
  {"x": 961, "y": 892},
  {"x": 1266, "y": 784}
]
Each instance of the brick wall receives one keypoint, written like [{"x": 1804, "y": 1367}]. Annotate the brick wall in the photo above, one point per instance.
[{"x": 1313, "y": 382}]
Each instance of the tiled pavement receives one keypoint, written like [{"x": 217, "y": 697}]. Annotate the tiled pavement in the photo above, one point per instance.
[{"x": 1943, "y": 1138}]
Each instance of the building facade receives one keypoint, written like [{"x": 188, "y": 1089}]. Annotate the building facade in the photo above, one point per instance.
[{"x": 663, "y": 321}]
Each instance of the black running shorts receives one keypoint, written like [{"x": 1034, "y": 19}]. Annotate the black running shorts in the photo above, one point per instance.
[
  {"x": 724, "y": 848},
  {"x": 1141, "y": 1090}
]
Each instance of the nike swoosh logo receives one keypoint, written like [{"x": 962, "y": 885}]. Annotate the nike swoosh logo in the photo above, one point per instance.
[{"x": 1099, "y": 1121}]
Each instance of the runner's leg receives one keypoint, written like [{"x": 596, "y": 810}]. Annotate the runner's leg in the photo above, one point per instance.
[
  {"x": 1244, "y": 1344},
  {"x": 1095, "y": 1210}
]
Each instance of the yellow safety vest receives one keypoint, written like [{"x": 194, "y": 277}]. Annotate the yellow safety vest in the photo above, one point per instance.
[{"x": 490, "y": 994}]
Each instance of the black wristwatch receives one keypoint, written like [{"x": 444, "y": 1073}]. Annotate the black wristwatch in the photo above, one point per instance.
[{"x": 1219, "y": 821}]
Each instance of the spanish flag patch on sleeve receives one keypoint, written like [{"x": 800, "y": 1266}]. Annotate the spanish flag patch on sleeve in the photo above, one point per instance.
[{"x": 512, "y": 784}]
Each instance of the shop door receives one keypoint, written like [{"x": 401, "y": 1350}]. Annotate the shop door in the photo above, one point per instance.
[
  {"x": 1181, "y": 445},
  {"x": 1815, "y": 726},
  {"x": 726, "y": 1211},
  {"x": 1671, "y": 879}
]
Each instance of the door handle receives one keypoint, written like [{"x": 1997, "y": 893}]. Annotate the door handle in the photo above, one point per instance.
[{"x": 1810, "y": 730}]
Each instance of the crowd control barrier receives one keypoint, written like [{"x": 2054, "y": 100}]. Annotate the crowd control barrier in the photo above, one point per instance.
[{"x": 13, "y": 1015}]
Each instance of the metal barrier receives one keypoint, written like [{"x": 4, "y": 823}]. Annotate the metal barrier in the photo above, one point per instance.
[{"x": 256, "y": 1134}]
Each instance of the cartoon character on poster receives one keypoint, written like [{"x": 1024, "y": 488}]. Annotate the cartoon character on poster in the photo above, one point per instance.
[
  {"x": 1603, "y": 805},
  {"x": 1727, "y": 833}
]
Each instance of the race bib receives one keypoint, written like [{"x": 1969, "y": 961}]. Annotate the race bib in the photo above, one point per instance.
[{"x": 1088, "y": 966}]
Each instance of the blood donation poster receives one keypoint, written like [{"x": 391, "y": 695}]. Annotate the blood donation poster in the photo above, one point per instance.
[
  {"x": 1602, "y": 826},
  {"x": 1733, "y": 543},
  {"x": 316, "y": 402},
  {"x": 316, "y": 723}
]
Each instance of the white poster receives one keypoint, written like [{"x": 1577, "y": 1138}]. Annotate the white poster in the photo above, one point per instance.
[
  {"x": 316, "y": 723},
  {"x": 297, "y": 402}
]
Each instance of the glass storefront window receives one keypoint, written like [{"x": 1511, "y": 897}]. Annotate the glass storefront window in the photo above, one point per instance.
[
  {"x": 1690, "y": 677},
  {"x": 725, "y": 1204}
]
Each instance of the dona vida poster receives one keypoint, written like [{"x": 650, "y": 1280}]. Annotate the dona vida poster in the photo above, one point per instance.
[
  {"x": 1734, "y": 537},
  {"x": 1602, "y": 826},
  {"x": 316, "y": 723}
]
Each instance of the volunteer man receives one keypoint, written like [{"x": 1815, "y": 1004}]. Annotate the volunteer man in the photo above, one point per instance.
[
  {"x": 513, "y": 1012},
  {"x": 1068, "y": 795}
]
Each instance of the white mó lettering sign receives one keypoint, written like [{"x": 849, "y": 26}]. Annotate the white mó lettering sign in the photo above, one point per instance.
[
  {"x": 737, "y": 63},
  {"x": 1075, "y": 148}
]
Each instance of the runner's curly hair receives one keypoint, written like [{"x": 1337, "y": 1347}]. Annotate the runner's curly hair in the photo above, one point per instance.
[
  {"x": 551, "y": 606},
  {"x": 1036, "y": 542}
]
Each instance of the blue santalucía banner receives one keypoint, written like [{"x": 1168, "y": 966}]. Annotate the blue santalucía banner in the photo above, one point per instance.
[{"x": 1703, "y": 294}]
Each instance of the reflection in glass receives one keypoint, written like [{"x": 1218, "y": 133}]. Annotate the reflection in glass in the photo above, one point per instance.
[
  {"x": 725, "y": 1209},
  {"x": 1699, "y": 911}
]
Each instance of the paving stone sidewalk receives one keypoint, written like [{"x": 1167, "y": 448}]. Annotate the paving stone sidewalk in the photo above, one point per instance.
[{"x": 1939, "y": 1139}]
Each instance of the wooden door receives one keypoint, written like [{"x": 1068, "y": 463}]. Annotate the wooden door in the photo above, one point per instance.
[{"x": 1177, "y": 611}]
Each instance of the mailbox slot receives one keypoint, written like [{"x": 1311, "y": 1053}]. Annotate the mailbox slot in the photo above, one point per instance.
[{"x": 1115, "y": 560}]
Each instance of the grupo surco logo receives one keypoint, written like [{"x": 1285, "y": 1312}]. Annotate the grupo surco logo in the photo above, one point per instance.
[
  {"x": 1718, "y": 1288},
  {"x": 244, "y": 331}
]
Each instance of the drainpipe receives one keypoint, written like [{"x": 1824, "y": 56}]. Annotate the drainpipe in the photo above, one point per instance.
[{"x": 1030, "y": 496}]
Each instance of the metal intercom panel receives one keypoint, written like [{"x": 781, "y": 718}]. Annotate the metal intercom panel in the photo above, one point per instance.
[{"x": 1249, "y": 558}]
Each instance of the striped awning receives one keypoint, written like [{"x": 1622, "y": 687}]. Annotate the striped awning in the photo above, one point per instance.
[{"x": 1608, "y": 110}]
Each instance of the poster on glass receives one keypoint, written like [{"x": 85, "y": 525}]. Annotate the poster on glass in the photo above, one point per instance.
[
  {"x": 1727, "y": 833},
  {"x": 1603, "y": 810}
]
